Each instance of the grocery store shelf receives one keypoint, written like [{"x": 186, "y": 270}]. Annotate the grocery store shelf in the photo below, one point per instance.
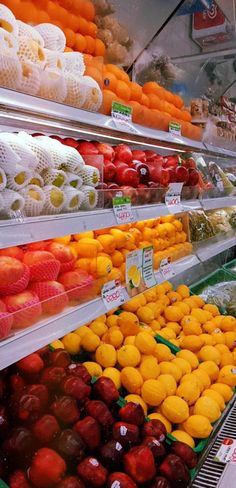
[
  {"x": 212, "y": 247},
  {"x": 21, "y": 111},
  {"x": 29, "y": 340},
  {"x": 213, "y": 203}
]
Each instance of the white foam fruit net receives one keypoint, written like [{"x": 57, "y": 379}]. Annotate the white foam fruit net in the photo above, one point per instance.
[
  {"x": 36, "y": 180},
  {"x": 25, "y": 154},
  {"x": 26, "y": 30},
  {"x": 43, "y": 155},
  {"x": 34, "y": 198},
  {"x": 8, "y": 21},
  {"x": 74, "y": 199},
  {"x": 55, "y": 151},
  {"x": 55, "y": 177},
  {"x": 8, "y": 158},
  {"x": 54, "y": 59},
  {"x": 54, "y": 38},
  {"x": 55, "y": 199},
  {"x": 90, "y": 197},
  {"x": 12, "y": 200},
  {"x": 30, "y": 50},
  {"x": 74, "y": 63},
  {"x": 1, "y": 203},
  {"x": 10, "y": 72},
  {"x": 73, "y": 161},
  {"x": 76, "y": 90},
  {"x": 90, "y": 175},
  {"x": 9, "y": 43},
  {"x": 53, "y": 86},
  {"x": 93, "y": 100},
  {"x": 20, "y": 178},
  {"x": 31, "y": 78},
  {"x": 74, "y": 180},
  {"x": 3, "y": 179}
]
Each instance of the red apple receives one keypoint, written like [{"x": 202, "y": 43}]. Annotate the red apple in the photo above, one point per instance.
[
  {"x": 53, "y": 377},
  {"x": 60, "y": 358},
  {"x": 18, "y": 479},
  {"x": 31, "y": 364},
  {"x": 99, "y": 411},
  {"x": 186, "y": 453},
  {"x": 13, "y": 252},
  {"x": 154, "y": 428},
  {"x": 78, "y": 284},
  {"x": 139, "y": 463},
  {"x": 77, "y": 388},
  {"x": 17, "y": 383},
  {"x": 123, "y": 152},
  {"x": 66, "y": 410},
  {"x": 150, "y": 155},
  {"x": 87, "y": 148},
  {"x": 52, "y": 295},
  {"x": 144, "y": 194},
  {"x": 140, "y": 155},
  {"x": 25, "y": 307},
  {"x": 172, "y": 175},
  {"x": 142, "y": 169},
  {"x": 164, "y": 177},
  {"x": 132, "y": 413},
  {"x": 46, "y": 428},
  {"x": 160, "y": 482},
  {"x": 125, "y": 433},
  {"x": 70, "y": 445},
  {"x": 14, "y": 275},
  {"x": 171, "y": 161},
  {"x": 4, "y": 425},
  {"x": 71, "y": 482},
  {"x": 68, "y": 141},
  {"x": 120, "y": 480},
  {"x": 42, "y": 265},
  {"x": 193, "y": 178},
  {"x": 90, "y": 431},
  {"x": 18, "y": 446},
  {"x": 39, "y": 391},
  {"x": 92, "y": 472},
  {"x": 181, "y": 174},
  {"x": 175, "y": 470},
  {"x": 78, "y": 369},
  {"x": 111, "y": 454},
  {"x": 127, "y": 176},
  {"x": 105, "y": 149},
  {"x": 105, "y": 390},
  {"x": 109, "y": 171},
  {"x": 157, "y": 448},
  {"x": 120, "y": 164},
  {"x": 63, "y": 254},
  {"x": 47, "y": 468}
]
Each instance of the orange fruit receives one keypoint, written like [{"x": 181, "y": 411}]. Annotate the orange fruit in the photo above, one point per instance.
[
  {"x": 123, "y": 90},
  {"x": 145, "y": 100},
  {"x": 154, "y": 101},
  {"x": 136, "y": 91},
  {"x": 70, "y": 37},
  {"x": 92, "y": 29},
  {"x": 88, "y": 10},
  {"x": 80, "y": 43},
  {"x": 109, "y": 81},
  {"x": 108, "y": 98},
  {"x": 95, "y": 73},
  {"x": 137, "y": 111},
  {"x": 90, "y": 44},
  {"x": 72, "y": 21},
  {"x": 100, "y": 48},
  {"x": 119, "y": 73},
  {"x": 82, "y": 26},
  {"x": 68, "y": 50}
]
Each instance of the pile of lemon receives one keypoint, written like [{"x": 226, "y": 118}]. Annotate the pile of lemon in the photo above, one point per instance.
[{"x": 187, "y": 391}]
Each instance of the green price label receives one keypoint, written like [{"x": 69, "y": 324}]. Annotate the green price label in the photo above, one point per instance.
[
  {"x": 175, "y": 128},
  {"x": 121, "y": 200},
  {"x": 121, "y": 110}
]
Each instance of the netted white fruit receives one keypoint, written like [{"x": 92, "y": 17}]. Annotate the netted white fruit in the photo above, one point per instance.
[
  {"x": 53, "y": 85},
  {"x": 26, "y": 30},
  {"x": 36, "y": 180},
  {"x": 20, "y": 178},
  {"x": 10, "y": 72},
  {"x": 30, "y": 50},
  {"x": 74, "y": 63},
  {"x": 8, "y": 21},
  {"x": 3, "y": 179},
  {"x": 12, "y": 200},
  {"x": 53, "y": 148},
  {"x": 73, "y": 161},
  {"x": 27, "y": 157},
  {"x": 44, "y": 158},
  {"x": 54, "y": 38},
  {"x": 74, "y": 199},
  {"x": 55, "y": 177},
  {"x": 1, "y": 203},
  {"x": 55, "y": 199},
  {"x": 8, "y": 158},
  {"x": 90, "y": 197},
  {"x": 9, "y": 43},
  {"x": 54, "y": 59},
  {"x": 31, "y": 78},
  {"x": 34, "y": 200},
  {"x": 76, "y": 91},
  {"x": 74, "y": 180},
  {"x": 90, "y": 175},
  {"x": 93, "y": 100}
]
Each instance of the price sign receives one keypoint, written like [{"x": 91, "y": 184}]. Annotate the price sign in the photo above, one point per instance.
[
  {"x": 122, "y": 117},
  {"x": 123, "y": 210},
  {"x": 166, "y": 269},
  {"x": 175, "y": 128},
  {"x": 112, "y": 294},
  {"x": 139, "y": 271},
  {"x": 173, "y": 197}
]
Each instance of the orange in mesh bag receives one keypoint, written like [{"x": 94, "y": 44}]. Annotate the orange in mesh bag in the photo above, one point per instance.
[
  {"x": 27, "y": 30},
  {"x": 31, "y": 78},
  {"x": 93, "y": 100},
  {"x": 53, "y": 86},
  {"x": 20, "y": 178},
  {"x": 25, "y": 154},
  {"x": 30, "y": 50},
  {"x": 74, "y": 63},
  {"x": 12, "y": 202},
  {"x": 43, "y": 156},
  {"x": 54, "y": 59},
  {"x": 8, "y": 157},
  {"x": 76, "y": 91}
]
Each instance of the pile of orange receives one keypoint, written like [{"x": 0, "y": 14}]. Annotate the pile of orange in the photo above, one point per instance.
[{"x": 74, "y": 17}]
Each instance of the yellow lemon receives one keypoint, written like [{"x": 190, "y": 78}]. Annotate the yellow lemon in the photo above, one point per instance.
[
  {"x": 168, "y": 367},
  {"x": 209, "y": 353},
  {"x": 211, "y": 308},
  {"x": 222, "y": 348},
  {"x": 90, "y": 342},
  {"x": 149, "y": 368},
  {"x": 183, "y": 290},
  {"x": 131, "y": 379},
  {"x": 192, "y": 342},
  {"x": 114, "y": 375},
  {"x": 145, "y": 314},
  {"x": 151, "y": 295},
  {"x": 167, "y": 333},
  {"x": 203, "y": 377},
  {"x": 119, "y": 237},
  {"x": 224, "y": 390},
  {"x": 57, "y": 344},
  {"x": 145, "y": 343},
  {"x": 158, "y": 416},
  {"x": 153, "y": 392},
  {"x": 198, "y": 426},
  {"x": 175, "y": 409},
  {"x": 228, "y": 323},
  {"x": 106, "y": 355},
  {"x": 188, "y": 392},
  {"x": 162, "y": 353},
  {"x": 211, "y": 368},
  {"x": 218, "y": 337},
  {"x": 194, "y": 379},
  {"x": 200, "y": 315},
  {"x": 190, "y": 357},
  {"x": 137, "y": 399},
  {"x": 81, "y": 331},
  {"x": 216, "y": 396},
  {"x": 230, "y": 339},
  {"x": 169, "y": 383},
  {"x": 100, "y": 266},
  {"x": 128, "y": 323},
  {"x": 192, "y": 328},
  {"x": 182, "y": 436},
  {"x": 128, "y": 355},
  {"x": 208, "y": 407},
  {"x": 183, "y": 365},
  {"x": 93, "y": 368},
  {"x": 207, "y": 339},
  {"x": 129, "y": 340},
  {"x": 112, "y": 320},
  {"x": 115, "y": 338},
  {"x": 98, "y": 328},
  {"x": 226, "y": 358},
  {"x": 173, "y": 313},
  {"x": 72, "y": 343},
  {"x": 135, "y": 303},
  {"x": 227, "y": 375}
]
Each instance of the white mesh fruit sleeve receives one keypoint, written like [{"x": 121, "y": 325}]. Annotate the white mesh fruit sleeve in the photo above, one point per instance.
[
  {"x": 55, "y": 199},
  {"x": 93, "y": 100},
  {"x": 44, "y": 158},
  {"x": 26, "y": 30},
  {"x": 73, "y": 161},
  {"x": 23, "y": 174},
  {"x": 36, "y": 180},
  {"x": 54, "y": 150},
  {"x": 3, "y": 179},
  {"x": 53, "y": 85},
  {"x": 31, "y": 78},
  {"x": 74, "y": 199},
  {"x": 10, "y": 72},
  {"x": 54, "y": 59},
  {"x": 27, "y": 157},
  {"x": 90, "y": 197},
  {"x": 54, "y": 38},
  {"x": 76, "y": 91},
  {"x": 30, "y": 50},
  {"x": 9, "y": 43},
  {"x": 90, "y": 175},
  {"x": 34, "y": 198},
  {"x": 12, "y": 200},
  {"x": 55, "y": 177},
  {"x": 8, "y": 21},
  {"x": 74, "y": 180},
  {"x": 74, "y": 63},
  {"x": 8, "y": 157}
]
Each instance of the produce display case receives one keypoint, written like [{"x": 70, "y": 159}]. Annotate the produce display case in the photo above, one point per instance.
[{"x": 83, "y": 187}]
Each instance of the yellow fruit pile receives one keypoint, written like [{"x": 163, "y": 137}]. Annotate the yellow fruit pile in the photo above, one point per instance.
[
  {"x": 187, "y": 391},
  {"x": 103, "y": 253}
]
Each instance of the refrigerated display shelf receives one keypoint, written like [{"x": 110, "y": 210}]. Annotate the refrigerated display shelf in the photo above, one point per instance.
[
  {"x": 16, "y": 232},
  {"x": 21, "y": 111},
  {"x": 210, "y": 249},
  {"x": 29, "y": 340}
]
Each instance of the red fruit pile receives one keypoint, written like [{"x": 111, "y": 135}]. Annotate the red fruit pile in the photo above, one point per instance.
[
  {"x": 58, "y": 429},
  {"x": 38, "y": 279}
]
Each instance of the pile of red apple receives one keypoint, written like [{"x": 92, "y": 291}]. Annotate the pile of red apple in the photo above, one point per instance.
[
  {"x": 39, "y": 279},
  {"x": 59, "y": 429}
]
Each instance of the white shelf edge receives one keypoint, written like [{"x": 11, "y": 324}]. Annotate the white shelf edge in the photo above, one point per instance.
[
  {"x": 213, "y": 203},
  {"x": 207, "y": 251},
  {"x": 33, "y": 338}
]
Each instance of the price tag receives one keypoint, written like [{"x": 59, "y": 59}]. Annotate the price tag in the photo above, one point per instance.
[
  {"x": 226, "y": 452},
  {"x": 123, "y": 210},
  {"x": 17, "y": 215},
  {"x": 122, "y": 117},
  {"x": 175, "y": 128},
  {"x": 166, "y": 269},
  {"x": 112, "y": 294},
  {"x": 139, "y": 271},
  {"x": 173, "y": 197}
]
